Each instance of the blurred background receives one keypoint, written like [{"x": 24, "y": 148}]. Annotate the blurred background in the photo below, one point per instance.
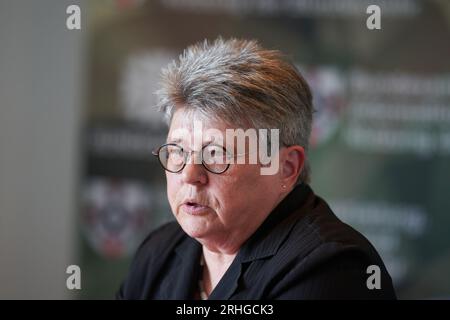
[{"x": 78, "y": 184}]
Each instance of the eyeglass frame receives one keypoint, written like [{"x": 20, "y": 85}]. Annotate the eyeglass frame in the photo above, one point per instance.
[{"x": 186, "y": 154}]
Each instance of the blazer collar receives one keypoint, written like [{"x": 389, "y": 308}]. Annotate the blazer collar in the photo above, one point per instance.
[
  {"x": 273, "y": 231},
  {"x": 265, "y": 241},
  {"x": 186, "y": 270}
]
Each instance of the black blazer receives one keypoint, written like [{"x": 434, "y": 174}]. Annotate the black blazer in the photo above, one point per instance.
[{"x": 301, "y": 251}]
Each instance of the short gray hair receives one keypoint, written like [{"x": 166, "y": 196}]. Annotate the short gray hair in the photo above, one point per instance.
[{"x": 240, "y": 82}]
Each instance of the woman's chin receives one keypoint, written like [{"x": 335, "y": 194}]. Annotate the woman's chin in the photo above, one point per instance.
[{"x": 193, "y": 226}]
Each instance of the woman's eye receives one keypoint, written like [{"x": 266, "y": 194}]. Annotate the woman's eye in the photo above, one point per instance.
[
  {"x": 214, "y": 154},
  {"x": 176, "y": 153}
]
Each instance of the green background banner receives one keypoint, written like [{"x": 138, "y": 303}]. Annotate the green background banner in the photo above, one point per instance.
[{"x": 380, "y": 145}]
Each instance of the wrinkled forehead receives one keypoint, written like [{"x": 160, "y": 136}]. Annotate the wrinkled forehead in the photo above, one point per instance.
[{"x": 190, "y": 127}]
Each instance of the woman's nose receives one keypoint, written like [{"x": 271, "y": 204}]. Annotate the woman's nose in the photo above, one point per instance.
[{"x": 194, "y": 172}]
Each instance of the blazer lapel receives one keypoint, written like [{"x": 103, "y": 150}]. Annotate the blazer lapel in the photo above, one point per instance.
[
  {"x": 265, "y": 242},
  {"x": 229, "y": 282},
  {"x": 181, "y": 281}
]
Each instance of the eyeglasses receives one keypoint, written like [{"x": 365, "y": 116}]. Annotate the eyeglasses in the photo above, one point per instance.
[{"x": 173, "y": 157}]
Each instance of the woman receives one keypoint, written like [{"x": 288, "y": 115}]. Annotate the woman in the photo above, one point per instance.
[{"x": 242, "y": 234}]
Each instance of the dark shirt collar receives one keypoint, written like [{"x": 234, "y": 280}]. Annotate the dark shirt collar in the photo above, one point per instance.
[{"x": 270, "y": 235}]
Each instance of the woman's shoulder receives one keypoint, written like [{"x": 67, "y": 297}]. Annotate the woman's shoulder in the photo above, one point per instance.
[
  {"x": 328, "y": 231},
  {"x": 326, "y": 256},
  {"x": 323, "y": 232},
  {"x": 149, "y": 260}
]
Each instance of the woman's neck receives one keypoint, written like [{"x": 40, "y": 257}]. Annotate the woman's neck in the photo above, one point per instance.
[{"x": 215, "y": 266}]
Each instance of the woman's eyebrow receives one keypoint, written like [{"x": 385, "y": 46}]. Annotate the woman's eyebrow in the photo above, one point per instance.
[{"x": 178, "y": 140}]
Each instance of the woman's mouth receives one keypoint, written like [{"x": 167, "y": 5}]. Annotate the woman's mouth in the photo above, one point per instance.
[{"x": 194, "y": 208}]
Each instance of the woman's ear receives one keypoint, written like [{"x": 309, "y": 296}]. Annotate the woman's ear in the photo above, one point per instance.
[{"x": 292, "y": 162}]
